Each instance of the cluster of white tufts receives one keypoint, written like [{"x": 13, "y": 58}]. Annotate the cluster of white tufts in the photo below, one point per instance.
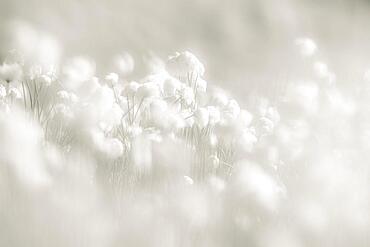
[
  {"x": 171, "y": 160},
  {"x": 108, "y": 115}
]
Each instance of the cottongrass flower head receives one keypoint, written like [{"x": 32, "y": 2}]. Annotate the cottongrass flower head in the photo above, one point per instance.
[
  {"x": 307, "y": 47},
  {"x": 10, "y": 73},
  {"x": 130, "y": 89},
  {"x": 322, "y": 71},
  {"x": 76, "y": 71},
  {"x": 124, "y": 64},
  {"x": 185, "y": 64},
  {"x": 112, "y": 79}
]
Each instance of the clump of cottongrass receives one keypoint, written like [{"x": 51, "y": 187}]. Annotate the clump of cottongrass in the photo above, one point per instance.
[{"x": 173, "y": 156}]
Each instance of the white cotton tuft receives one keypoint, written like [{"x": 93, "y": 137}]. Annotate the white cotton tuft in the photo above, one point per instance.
[
  {"x": 306, "y": 46},
  {"x": 246, "y": 141},
  {"x": 184, "y": 64},
  {"x": 102, "y": 99},
  {"x": 171, "y": 86},
  {"x": 130, "y": 89},
  {"x": 124, "y": 64},
  {"x": 188, "y": 180},
  {"x": 147, "y": 90},
  {"x": 253, "y": 184},
  {"x": 114, "y": 148},
  {"x": 232, "y": 109},
  {"x": 112, "y": 79},
  {"x": 77, "y": 71},
  {"x": 18, "y": 132},
  {"x": 10, "y": 73}
]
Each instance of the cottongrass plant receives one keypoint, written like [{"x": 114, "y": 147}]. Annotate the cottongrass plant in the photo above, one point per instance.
[{"x": 172, "y": 160}]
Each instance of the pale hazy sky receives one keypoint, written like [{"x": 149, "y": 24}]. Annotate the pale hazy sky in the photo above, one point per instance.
[{"x": 240, "y": 41}]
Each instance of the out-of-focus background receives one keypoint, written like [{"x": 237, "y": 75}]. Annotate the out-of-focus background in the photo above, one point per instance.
[
  {"x": 240, "y": 41},
  {"x": 98, "y": 169}
]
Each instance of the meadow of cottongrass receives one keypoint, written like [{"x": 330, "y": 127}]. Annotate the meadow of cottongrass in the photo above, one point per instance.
[{"x": 171, "y": 160}]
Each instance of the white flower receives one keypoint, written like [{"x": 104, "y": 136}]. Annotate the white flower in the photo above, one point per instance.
[
  {"x": 232, "y": 109},
  {"x": 322, "y": 71},
  {"x": 273, "y": 114},
  {"x": 245, "y": 118},
  {"x": 105, "y": 127},
  {"x": 112, "y": 79},
  {"x": 10, "y": 73},
  {"x": 219, "y": 99},
  {"x": 63, "y": 95},
  {"x": 102, "y": 99},
  {"x": 77, "y": 71},
  {"x": 175, "y": 122},
  {"x": 134, "y": 131},
  {"x": 153, "y": 64},
  {"x": 304, "y": 95},
  {"x": 171, "y": 86},
  {"x": 341, "y": 104},
  {"x": 164, "y": 116},
  {"x": 15, "y": 93},
  {"x": 307, "y": 47},
  {"x": 124, "y": 63},
  {"x": 73, "y": 98},
  {"x": 157, "y": 77},
  {"x": 246, "y": 141},
  {"x": 255, "y": 186},
  {"x": 88, "y": 88},
  {"x": 45, "y": 80},
  {"x": 44, "y": 77},
  {"x": 35, "y": 72},
  {"x": 113, "y": 148},
  {"x": 147, "y": 90},
  {"x": 20, "y": 151},
  {"x": 261, "y": 106},
  {"x": 158, "y": 106},
  {"x": 188, "y": 180},
  {"x": 184, "y": 64},
  {"x": 265, "y": 125},
  {"x": 130, "y": 89},
  {"x": 67, "y": 97}
]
